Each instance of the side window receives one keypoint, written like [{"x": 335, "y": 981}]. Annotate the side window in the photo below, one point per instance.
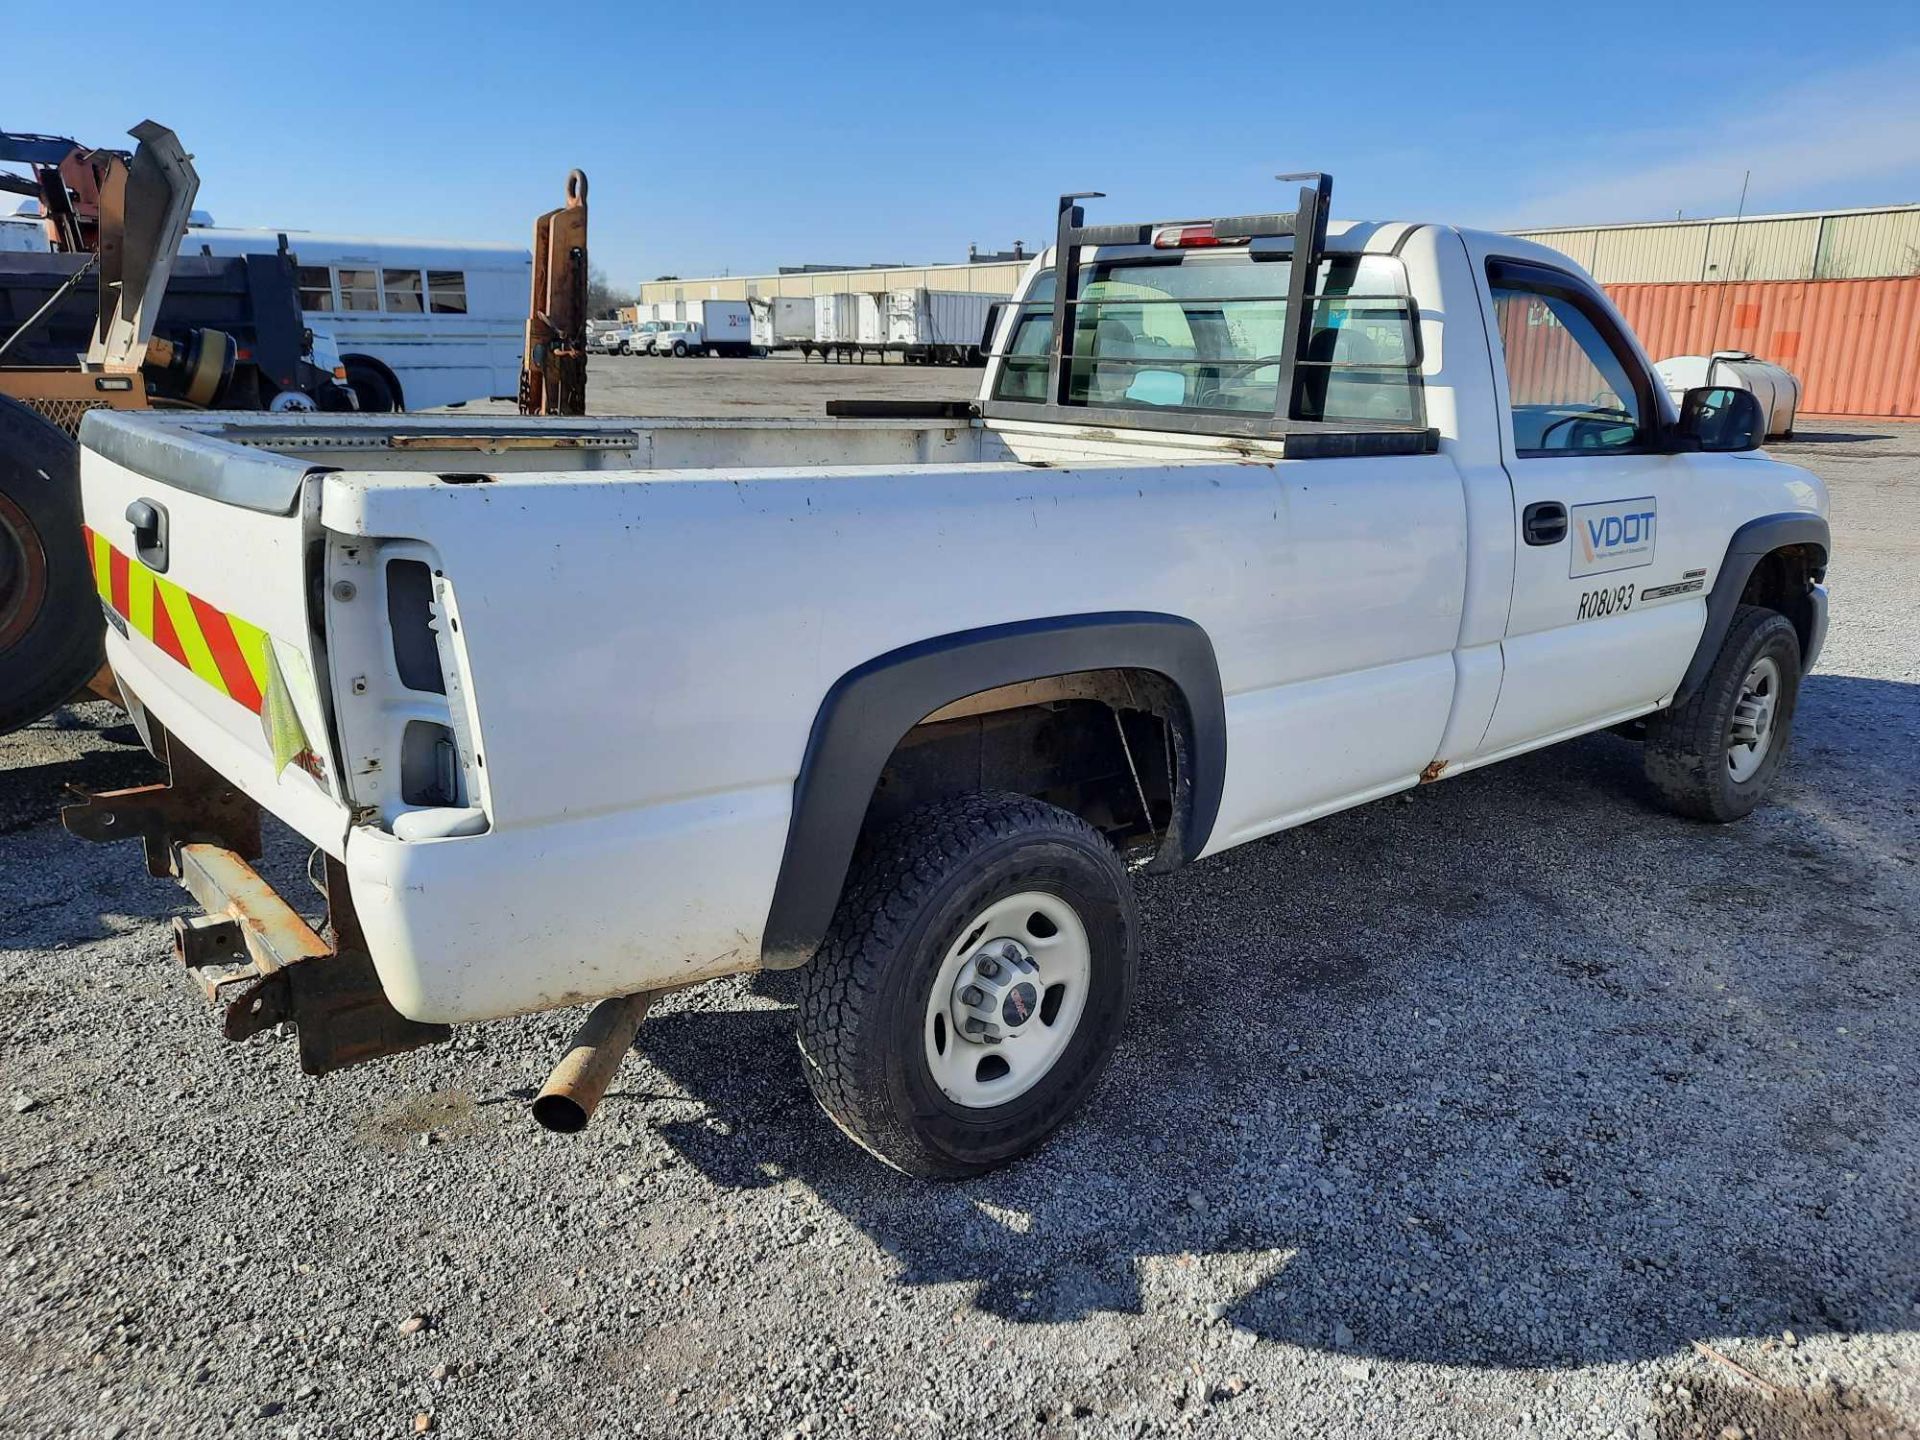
[
  {"x": 359, "y": 289},
  {"x": 316, "y": 287},
  {"x": 404, "y": 293},
  {"x": 1571, "y": 392},
  {"x": 447, "y": 292}
]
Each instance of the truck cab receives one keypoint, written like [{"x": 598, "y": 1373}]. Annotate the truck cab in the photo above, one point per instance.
[
  {"x": 680, "y": 338},
  {"x": 1254, "y": 519}
]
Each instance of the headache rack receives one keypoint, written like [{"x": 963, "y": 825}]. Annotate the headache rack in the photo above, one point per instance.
[{"x": 1303, "y": 438}]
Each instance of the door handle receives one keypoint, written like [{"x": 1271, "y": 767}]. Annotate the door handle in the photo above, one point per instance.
[
  {"x": 1544, "y": 522},
  {"x": 149, "y": 521}
]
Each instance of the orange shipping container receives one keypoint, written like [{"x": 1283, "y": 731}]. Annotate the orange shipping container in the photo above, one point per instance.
[{"x": 1855, "y": 344}]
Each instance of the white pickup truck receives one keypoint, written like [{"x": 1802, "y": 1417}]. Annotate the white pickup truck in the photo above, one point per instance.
[{"x": 1229, "y": 541}]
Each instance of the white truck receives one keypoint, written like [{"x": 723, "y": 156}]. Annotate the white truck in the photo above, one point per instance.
[
  {"x": 709, "y": 327},
  {"x": 1294, "y": 516}
]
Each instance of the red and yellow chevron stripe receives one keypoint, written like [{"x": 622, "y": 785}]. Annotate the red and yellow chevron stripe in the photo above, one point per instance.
[{"x": 227, "y": 652}]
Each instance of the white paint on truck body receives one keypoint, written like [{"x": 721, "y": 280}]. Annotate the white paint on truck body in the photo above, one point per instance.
[{"x": 646, "y": 633}]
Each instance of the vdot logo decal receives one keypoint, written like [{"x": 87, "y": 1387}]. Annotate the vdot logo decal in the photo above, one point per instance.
[{"x": 1612, "y": 535}]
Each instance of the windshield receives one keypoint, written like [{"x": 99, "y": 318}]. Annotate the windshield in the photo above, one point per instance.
[{"x": 1205, "y": 333}]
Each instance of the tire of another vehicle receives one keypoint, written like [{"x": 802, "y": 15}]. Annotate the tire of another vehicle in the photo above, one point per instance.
[
  {"x": 51, "y": 627},
  {"x": 680, "y": 349},
  {"x": 918, "y": 897},
  {"x": 1691, "y": 757},
  {"x": 625, "y": 348},
  {"x": 372, "y": 389}
]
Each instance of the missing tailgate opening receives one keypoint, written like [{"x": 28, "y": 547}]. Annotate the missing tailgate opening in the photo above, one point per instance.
[{"x": 416, "y": 648}]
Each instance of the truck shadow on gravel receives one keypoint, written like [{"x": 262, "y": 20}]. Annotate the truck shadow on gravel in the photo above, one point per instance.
[{"x": 1515, "y": 1070}]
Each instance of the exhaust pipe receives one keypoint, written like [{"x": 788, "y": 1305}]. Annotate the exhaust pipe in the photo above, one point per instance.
[{"x": 573, "y": 1092}]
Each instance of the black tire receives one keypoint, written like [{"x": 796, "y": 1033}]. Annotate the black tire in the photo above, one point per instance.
[
  {"x": 372, "y": 388},
  {"x": 625, "y": 348},
  {"x": 864, "y": 999},
  {"x": 1686, "y": 748},
  {"x": 679, "y": 349},
  {"x": 51, "y": 628}
]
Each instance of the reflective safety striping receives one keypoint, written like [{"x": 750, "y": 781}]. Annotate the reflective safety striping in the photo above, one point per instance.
[
  {"x": 217, "y": 630},
  {"x": 102, "y": 555},
  {"x": 229, "y": 653}
]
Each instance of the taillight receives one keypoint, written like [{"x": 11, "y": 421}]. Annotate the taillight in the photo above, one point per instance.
[{"x": 1190, "y": 237}]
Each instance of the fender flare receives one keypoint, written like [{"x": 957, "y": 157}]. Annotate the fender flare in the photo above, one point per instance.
[
  {"x": 869, "y": 709},
  {"x": 1751, "y": 543}
]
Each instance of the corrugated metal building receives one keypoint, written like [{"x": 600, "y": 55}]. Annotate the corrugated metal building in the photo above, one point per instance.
[
  {"x": 1832, "y": 295},
  {"x": 1817, "y": 245}
]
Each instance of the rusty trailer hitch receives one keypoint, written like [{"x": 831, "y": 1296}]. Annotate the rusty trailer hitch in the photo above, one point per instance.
[{"x": 252, "y": 953}]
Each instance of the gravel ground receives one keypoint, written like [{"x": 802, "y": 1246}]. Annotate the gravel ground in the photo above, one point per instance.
[{"x": 1473, "y": 1112}]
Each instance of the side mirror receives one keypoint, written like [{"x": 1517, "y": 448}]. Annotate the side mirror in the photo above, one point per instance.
[{"x": 1720, "y": 418}]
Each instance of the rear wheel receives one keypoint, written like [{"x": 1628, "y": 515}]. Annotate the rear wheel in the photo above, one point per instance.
[
  {"x": 50, "y": 621},
  {"x": 972, "y": 986},
  {"x": 1714, "y": 757}
]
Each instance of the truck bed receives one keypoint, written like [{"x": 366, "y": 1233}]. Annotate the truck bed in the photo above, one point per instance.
[
  {"x": 478, "y": 446},
  {"x": 637, "y": 623}
]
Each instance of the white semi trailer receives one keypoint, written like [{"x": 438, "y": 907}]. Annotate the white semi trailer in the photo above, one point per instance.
[
  {"x": 781, "y": 322},
  {"x": 937, "y": 327}
]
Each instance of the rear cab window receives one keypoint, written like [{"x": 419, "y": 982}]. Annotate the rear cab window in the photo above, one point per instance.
[{"x": 1204, "y": 333}]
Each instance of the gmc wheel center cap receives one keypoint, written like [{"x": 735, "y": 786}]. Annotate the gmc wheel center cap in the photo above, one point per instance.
[
  {"x": 1020, "y": 1003},
  {"x": 997, "y": 992}
]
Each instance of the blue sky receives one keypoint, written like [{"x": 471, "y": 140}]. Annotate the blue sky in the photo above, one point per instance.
[{"x": 744, "y": 136}]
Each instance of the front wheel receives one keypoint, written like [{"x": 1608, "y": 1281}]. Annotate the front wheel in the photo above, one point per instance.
[
  {"x": 372, "y": 389},
  {"x": 679, "y": 349},
  {"x": 1714, "y": 757},
  {"x": 972, "y": 986}
]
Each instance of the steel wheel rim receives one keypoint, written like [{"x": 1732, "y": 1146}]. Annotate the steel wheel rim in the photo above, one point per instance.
[
  {"x": 23, "y": 573},
  {"x": 1750, "y": 736},
  {"x": 979, "y": 1075}
]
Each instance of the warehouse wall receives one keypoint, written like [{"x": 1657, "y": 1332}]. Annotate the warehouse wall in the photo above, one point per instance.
[
  {"x": 990, "y": 279},
  {"x": 1836, "y": 245},
  {"x": 1844, "y": 245},
  {"x": 1855, "y": 344}
]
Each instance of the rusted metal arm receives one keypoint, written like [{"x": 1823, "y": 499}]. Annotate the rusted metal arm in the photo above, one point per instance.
[
  {"x": 252, "y": 953},
  {"x": 196, "y": 803}
]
